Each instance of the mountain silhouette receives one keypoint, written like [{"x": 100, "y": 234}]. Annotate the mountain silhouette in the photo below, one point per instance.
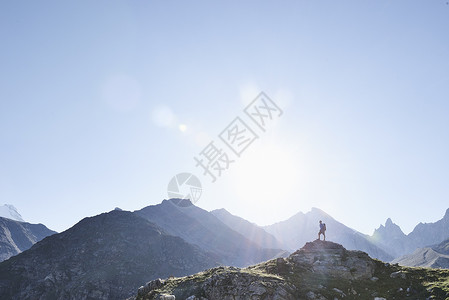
[
  {"x": 250, "y": 230},
  {"x": 200, "y": 227}
]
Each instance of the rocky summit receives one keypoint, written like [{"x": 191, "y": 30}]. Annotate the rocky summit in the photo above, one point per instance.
[{"x": 319, "y": 270}]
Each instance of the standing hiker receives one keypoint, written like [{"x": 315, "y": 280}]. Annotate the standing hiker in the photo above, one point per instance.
[{"x": 322, "y": 231}]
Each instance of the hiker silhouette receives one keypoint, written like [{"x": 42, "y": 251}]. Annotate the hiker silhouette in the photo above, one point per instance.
[{"x": 322, "y": 231}]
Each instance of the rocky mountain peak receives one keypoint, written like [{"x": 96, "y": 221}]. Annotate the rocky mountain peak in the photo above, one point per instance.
[
  {"x": 390, "y": 230},
  {"x": 320, "y": 246},
  {"x": 221, "y": 210},
  {"x": 389, "y": 222},
  {"x": 316, "y": 210},
  {"x": 178, "y": 202}
]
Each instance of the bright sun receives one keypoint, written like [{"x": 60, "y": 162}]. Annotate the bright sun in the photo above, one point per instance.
[
  {"x": 266, "y": 176},
  {"x": 182, "y": 127}
]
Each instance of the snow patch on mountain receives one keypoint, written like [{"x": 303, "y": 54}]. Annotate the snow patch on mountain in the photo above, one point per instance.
[{"x": 10, "y": 212}]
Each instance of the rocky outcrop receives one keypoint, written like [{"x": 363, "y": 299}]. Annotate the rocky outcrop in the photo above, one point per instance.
[
  {"x": 319, "y": 270},
  {"x": 222, "y": 283},
  {"x": 334, "y": 260}
]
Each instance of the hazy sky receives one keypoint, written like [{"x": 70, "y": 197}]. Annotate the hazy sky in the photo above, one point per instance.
[{"x": 103, "y": 102}]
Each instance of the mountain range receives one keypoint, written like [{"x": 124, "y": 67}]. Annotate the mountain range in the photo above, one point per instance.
[
  {"x": 391, "y": 238},
  {"x": 388, "y": 242},
  {"x": 200, "y": 227},
  {"x": 110, "y": 255}
]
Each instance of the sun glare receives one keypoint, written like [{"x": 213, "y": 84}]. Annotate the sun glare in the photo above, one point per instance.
[
  {"x": 182, "y": 127},
  {"x": 267, "y": 176}
]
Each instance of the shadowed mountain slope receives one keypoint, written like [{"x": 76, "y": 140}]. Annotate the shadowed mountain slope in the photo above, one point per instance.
[
  {"x": 16, "y": 236},
  {"x": 103, "y": 257},
  {"x": 430, "y": 257}
]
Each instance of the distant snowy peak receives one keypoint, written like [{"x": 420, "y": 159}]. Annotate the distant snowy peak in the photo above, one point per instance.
[{"x": 10, "y": 212}]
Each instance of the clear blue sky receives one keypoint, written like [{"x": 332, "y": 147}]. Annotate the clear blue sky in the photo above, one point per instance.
[{"x": 92, "y": 94}]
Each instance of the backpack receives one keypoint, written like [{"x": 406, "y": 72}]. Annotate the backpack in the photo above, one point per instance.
[{"x": 324, "y": 227}]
